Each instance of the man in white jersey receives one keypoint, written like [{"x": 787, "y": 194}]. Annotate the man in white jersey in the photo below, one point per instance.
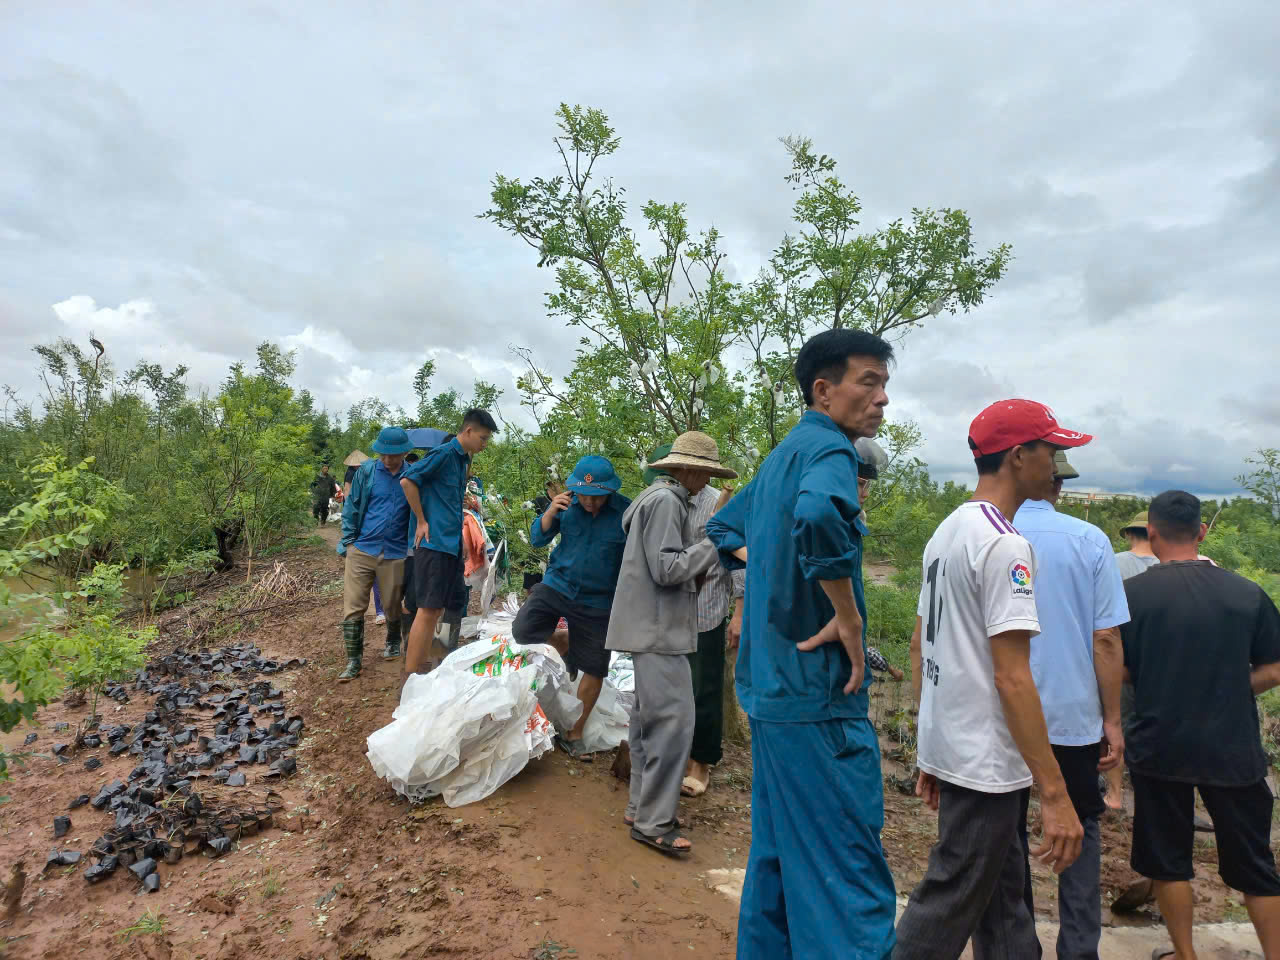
[{"x": 982, "y": 735}]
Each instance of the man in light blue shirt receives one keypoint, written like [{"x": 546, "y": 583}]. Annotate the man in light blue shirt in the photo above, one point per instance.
[{"x": 1077, "y": 662}]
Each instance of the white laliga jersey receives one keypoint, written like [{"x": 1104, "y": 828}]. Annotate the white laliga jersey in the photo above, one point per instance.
[{"x": 978, "y": 582}]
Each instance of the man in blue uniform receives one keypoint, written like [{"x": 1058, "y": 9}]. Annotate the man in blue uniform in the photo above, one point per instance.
[
  {"x": 817, "y": 883},
  {"x": 375, "y": 526},
  {"x": 434, "y": 487},
  {"x": 580, "y": 580}
]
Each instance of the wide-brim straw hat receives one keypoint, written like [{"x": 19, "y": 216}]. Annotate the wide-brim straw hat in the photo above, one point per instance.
[
  {"x": 355, "y": 458},
  {"x": 695, "y": 451}
]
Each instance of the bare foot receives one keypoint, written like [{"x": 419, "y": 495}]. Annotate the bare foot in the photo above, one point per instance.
[{"x": 1113, "y": 800}]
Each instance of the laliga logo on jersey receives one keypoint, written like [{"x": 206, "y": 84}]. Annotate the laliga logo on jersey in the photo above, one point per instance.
[{"x": 1020, "y": 574}]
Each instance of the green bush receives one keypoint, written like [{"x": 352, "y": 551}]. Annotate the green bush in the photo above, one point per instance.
[
  {"x": 891, "y": 618},
  {"x": 43, "y": 540},
  {"x": 95, "y": 648}
]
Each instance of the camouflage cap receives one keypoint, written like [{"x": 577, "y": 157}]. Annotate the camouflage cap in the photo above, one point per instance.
[{"x": 1139, "y": 522}]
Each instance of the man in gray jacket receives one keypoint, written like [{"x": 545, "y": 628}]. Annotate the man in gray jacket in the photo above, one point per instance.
[{"x": 655, "y": 619}]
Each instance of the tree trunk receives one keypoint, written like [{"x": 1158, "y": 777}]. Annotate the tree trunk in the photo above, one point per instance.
[
  {"x": 735, "y": 721},
  {"x": 227, "y": 536}
]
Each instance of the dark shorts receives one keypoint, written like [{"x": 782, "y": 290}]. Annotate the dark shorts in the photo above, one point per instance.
[
  {"x": 406, "y": 599},
  {"x": 1079, "y": 766},
  {"x": 588, "y": 627},
  {"x": 436, "y": 582},
  {"x": 1164, "y": 833}
]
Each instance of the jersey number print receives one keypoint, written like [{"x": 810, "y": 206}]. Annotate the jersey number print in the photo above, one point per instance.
[{"x": 931, "y": 670}]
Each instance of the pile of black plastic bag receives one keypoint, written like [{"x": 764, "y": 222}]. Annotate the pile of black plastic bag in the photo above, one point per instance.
[{"x": 159, "y": 814}]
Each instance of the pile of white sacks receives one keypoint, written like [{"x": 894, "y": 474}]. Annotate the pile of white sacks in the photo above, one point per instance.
[{"x": 475, "y": 721}]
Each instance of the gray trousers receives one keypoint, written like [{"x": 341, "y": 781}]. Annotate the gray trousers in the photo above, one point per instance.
[
  {"x": 973, "y": 887},
  {"x": 660, "y": 736}
]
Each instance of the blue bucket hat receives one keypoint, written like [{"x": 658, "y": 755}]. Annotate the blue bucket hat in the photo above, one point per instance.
[
  {"x": 392, "y": 440},
  {"x": 593, "y": 477}
]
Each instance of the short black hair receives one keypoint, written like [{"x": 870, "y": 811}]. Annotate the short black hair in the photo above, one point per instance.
[
  {"x": 826, "y": 356},
  {"x": 478, "y": 418},
  {"x": 1138, "y": 533},
  {"x": 1176, "y": 514},
  {"x": 992, "y": 462},
  {"x": 411, "y": 458}
]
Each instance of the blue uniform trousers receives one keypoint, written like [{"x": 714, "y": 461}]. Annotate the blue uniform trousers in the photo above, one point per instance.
[{"x": 817, "y": 883}]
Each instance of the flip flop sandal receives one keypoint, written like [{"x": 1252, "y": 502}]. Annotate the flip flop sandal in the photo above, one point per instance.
[
  {"x": 575, "y": 749},
  {"x": 692, "y": 787},
  {"x": 665, "y": 843},
  {"x": 1159, "y": 952}
]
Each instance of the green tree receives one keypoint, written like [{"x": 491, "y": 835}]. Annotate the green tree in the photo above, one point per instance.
[
  {"x": 50, "y": 531},
  {"x": 662, "y": 332},
  {"x": 654, "y": 327},
  {"x": 246, "y": 444},
  {"x": 1263, "y": 481}
]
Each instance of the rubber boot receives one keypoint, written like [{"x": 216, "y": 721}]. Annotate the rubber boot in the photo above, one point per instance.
[
  {"x": 353, "y": 640},
  {"x": 391, "y": 651}
]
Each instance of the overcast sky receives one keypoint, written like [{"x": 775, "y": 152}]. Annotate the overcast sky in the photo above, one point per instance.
[{"x": 188, "y": 180}]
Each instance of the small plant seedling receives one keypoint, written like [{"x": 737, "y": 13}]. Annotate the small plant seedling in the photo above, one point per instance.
[
  {"x": 272, "y": 885},
  {"x": 149, "y": 922}
]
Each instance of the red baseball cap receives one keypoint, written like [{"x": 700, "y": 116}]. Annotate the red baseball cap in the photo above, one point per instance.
[{"x": 1008, "y": 423}]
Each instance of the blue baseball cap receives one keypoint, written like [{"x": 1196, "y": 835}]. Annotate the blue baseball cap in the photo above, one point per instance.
[
  {"x": 392, "y": 440},
  {"x": 593, "y": 477}
]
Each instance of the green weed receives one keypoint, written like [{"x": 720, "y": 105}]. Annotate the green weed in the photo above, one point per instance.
[{"x": 149, "y": 922}]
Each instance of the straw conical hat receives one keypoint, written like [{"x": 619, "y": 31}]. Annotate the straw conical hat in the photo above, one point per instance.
[{"x": 354, "y": 459}]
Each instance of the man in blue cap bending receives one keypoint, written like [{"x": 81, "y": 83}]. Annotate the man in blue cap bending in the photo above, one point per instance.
[
  {"x": 580, "y": 579},
  {"x": 375, "y": 534}
]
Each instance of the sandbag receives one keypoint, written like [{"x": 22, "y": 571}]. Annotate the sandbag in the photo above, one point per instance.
[
  {"x": 605, "y": 728},
  {"x": 471, "y": 724}
]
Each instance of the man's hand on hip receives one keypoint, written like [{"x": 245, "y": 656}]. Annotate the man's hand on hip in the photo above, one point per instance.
[{"x": 848, "y": 632}]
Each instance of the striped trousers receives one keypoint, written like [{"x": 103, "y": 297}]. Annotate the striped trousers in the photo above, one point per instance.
[{"x": 973, "y": 887}]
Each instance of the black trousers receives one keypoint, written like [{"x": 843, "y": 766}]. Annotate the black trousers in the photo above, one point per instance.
[{"x": 707, "y": 666}]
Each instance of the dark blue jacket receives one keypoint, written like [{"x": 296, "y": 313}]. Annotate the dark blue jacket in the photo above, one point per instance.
[
  {"x": 584, "y": 568},
  {"x": 441, "y": 479},
  {"x": 798, "y": 521}
]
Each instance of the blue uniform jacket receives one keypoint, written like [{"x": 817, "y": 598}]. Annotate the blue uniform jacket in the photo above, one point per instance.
[
  {"x": 356, "y": 505},
  {"x": 584, "y": 568},
  {"x": 441, "y": 479},
  {"x": 798, "y": 521}
]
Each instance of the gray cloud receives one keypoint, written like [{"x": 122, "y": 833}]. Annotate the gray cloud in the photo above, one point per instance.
[{"x": 252, "y": 174}]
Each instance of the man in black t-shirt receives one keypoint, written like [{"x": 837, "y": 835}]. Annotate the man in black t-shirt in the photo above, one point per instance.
[{"x": 1201, "y": 644}]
